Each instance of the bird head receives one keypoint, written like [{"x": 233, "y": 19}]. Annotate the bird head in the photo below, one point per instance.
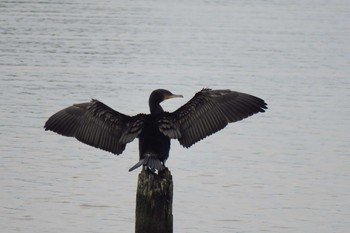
[{"x": 159, "y": 95}]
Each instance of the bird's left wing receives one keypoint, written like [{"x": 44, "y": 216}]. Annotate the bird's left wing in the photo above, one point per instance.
[
  {"x": 208, "y": 112},
  {"x": 96, "y": 124}
]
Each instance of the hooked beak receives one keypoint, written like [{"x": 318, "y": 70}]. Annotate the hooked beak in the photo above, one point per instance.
[{"x": 173, "y": 96}]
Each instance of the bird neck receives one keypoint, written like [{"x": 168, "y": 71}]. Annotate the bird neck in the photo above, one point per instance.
[{"x": 155, "y": 107}]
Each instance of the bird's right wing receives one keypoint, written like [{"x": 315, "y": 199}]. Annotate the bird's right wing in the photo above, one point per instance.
[
  {"x": 208, "y": 112},
  {"x": 96, "y": 124}
]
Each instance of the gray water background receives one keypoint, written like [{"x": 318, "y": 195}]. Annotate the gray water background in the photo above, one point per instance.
[{"x": 286, "y": 170}]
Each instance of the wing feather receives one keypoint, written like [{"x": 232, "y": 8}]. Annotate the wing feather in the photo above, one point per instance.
[
  {"x": 96, "y": 124},
  {"x": 208, "y": 112}
]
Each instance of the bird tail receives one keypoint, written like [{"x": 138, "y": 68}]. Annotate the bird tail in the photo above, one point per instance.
[{"x": 150, "y": 162}]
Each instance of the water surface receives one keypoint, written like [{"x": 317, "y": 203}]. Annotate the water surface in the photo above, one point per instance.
[{"x": 286, "y": 170}]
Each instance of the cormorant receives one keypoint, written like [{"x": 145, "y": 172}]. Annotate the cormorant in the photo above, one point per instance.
[{"x": 209, "y": 111}]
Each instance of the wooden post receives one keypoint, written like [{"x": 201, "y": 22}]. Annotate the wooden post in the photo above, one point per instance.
[{"x": 154, "y": 200}]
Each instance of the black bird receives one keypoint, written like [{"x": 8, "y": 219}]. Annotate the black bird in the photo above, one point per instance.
[{"x": 209, "y": 111}]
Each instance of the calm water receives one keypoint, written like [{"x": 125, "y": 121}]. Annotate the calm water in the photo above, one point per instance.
[{"x": 283, "y": 171}]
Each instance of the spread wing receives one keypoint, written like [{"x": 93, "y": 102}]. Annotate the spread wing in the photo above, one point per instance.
[
  {"x": 208, "y": 112},
  {"x": 96, "y": 124}
]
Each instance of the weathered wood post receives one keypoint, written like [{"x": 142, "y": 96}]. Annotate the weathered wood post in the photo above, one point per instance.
[{"x": 154, "y": 200}]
